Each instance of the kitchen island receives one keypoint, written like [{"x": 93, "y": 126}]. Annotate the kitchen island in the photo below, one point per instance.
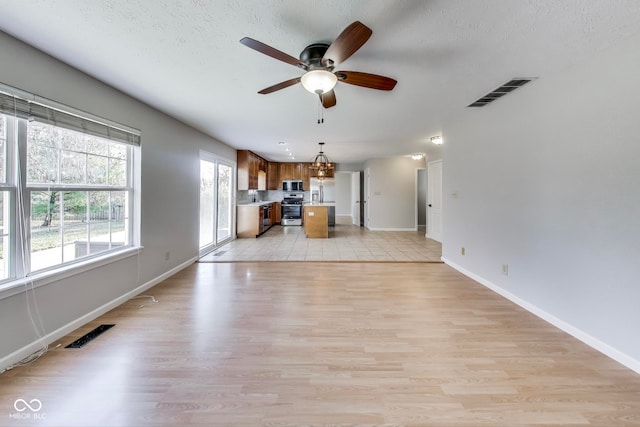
[{"x": 316, "y": 219}]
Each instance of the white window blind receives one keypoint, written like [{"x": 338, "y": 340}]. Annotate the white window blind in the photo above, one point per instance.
[{"x": 39, "y": 110}]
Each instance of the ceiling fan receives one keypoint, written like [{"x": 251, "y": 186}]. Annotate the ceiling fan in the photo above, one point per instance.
[{"x": 319, "y": 60}]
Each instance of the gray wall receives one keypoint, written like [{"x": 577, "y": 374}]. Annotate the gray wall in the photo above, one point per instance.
[
  {"x": 392, "y": 193},
  {"x": 343, "y": 193},
  {"x": 548, "y": 182},
  {"x": 170, "y": 182},
  {"x": 349, "y": 167}
]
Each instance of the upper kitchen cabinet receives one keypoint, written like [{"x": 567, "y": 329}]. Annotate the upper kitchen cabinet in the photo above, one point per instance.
[
  {"x": 252, "y": 171},
  {"x": 295, "y": 171},
  {"x": 288, "y": 171},
  {"x": 304, "y": 169},
  {"x": 273, "y": 177}
]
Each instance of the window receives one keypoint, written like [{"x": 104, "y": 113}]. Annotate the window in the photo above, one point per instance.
[
  {"x": 66, "y": 186},
  {"x": 4, "y": 201}
]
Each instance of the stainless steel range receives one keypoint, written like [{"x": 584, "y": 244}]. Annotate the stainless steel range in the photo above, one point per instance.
[{"x": 292, "y": 208}]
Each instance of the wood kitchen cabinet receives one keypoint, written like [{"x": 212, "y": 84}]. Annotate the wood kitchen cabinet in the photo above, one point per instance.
[
  {"x": 287, "y": 171},
  {"x": 304, "y": 171},
  {"x": 275, "y": 214},
  {"x": 277, "y": 209},
  {"x": 256, "y": 173},
  {"x": 316, "y": 220},
  {"x": 291, "y": 170},
  {"x": 249, "y": 221},
  {"x": 254, "y": 219},
  {"x": 252, "y": 171},
  {"x": 273, "y": 177},
  {"x": 263, "y": 165},
  {"x": 243, "y": 169}
]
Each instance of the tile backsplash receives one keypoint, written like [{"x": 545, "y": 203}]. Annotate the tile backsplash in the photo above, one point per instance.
[{"x": 247, "y": 196}]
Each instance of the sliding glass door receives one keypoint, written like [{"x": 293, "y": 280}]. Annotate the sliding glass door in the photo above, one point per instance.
[
  {"x": 216, "y": 202},
  {"x": 225, "y": 202}
]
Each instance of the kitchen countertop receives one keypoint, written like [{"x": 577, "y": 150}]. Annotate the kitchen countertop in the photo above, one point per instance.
[
  {"x": 319, "y": 204},
  {"x": 268, "y": 202}
]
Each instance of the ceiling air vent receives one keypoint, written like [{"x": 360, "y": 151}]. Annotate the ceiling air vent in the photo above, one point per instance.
[{"x": 500, "y": 92}]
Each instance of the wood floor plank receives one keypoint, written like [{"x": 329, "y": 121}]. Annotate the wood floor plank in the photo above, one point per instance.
[{"x": 279, "y": 343}]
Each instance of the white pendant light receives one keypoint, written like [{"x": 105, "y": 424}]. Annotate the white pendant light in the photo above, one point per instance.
[{"x": 319, "y": 81}]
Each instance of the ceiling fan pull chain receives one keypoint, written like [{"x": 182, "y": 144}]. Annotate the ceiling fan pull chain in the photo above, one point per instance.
[{"x": 320, "y": 112}]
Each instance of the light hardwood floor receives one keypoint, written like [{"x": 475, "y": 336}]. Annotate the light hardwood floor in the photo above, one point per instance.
[{"x": 280, "y": 343}]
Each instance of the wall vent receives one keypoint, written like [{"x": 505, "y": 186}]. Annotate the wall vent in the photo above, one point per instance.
[
  {"x": 506, "y": 88},
  {"x": 89, "y": 336}
]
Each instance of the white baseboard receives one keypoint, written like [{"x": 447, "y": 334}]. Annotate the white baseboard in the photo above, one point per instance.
[
  {"x": 31, "y": 348},
  {"x": 595, "y": 343},
  {"x": 344, "y": 219},
  {"x": 439, "y": 239}
]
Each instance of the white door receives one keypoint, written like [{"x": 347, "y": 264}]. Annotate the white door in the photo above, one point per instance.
[
  {"x": 355, "y": 198},
  {"x": 434, "y": 200}
]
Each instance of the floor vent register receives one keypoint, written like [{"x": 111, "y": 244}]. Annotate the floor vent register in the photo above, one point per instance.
[{"x": 80, "y": 342}]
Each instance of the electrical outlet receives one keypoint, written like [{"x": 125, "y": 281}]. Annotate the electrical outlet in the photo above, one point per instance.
[
  {"x": 505, "y": 269},
  {"x": 462, "y": 251},
  {"x": 167, "y": 255}
]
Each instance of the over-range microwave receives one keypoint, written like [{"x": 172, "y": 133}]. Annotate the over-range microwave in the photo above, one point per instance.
[{"x": 292, "y": 185}]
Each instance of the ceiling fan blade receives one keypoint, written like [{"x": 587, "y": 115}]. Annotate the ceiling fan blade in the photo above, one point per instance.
[
  {"x": 279, "y": 86},
  {"x": 372, "y": 81},
  {"x": 348, "y": 42},
  {"x": 328, "y": 99},
  {"x": 272, "y": 52}
]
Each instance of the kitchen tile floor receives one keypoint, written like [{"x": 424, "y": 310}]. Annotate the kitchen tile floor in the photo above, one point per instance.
[{"x": 345, "y": 243}]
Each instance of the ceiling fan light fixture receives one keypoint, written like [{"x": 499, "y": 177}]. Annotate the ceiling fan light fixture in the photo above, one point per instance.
[
  {"x": 417, "y": 156},
  {"x": 319, "y": 81}
]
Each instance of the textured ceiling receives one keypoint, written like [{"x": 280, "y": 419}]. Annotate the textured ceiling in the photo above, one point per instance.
[{"x": 184, "y": 58}]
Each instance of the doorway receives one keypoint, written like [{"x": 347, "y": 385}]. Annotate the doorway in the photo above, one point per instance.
[
  {"x": 361, "y": 213},
  {"x": 434, "y": 200},
  {"x": 355, "y": 198},
  {"x": 365, "y": 199},
  {"x": 421, "y": 201},
  {"x": 216, "y": 202}
]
